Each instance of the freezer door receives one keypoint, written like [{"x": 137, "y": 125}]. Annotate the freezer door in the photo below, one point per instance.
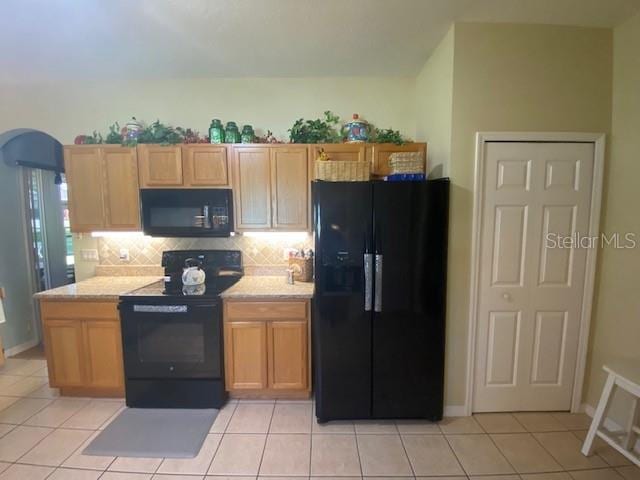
[
  {"x": 341, "y": 310},
  {"x": 410, "y": 236}
]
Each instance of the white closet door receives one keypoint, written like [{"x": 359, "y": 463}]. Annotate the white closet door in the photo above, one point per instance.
[{"x": 530, "y": 293}]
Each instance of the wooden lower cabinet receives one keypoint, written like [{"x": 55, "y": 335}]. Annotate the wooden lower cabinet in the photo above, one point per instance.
[
  {"x": 267, "y": 348},
  {"x": 287, "y": 347},
  {"x": 65, "y": 353},
  {"x": 103, "y": 342},
  {"x": 245, "y": 345},
  {"x": 83, "y": 345}
]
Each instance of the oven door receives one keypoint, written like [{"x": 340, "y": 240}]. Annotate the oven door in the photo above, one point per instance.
[
  {"x": 172, "y": 340},
  {"x": 187, "y": 212}
]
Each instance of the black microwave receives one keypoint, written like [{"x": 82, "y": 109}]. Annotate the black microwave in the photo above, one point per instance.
[{"x": 180, "y": 212}]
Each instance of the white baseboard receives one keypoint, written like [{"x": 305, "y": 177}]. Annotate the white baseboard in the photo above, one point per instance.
[
  {"x": 455, "y": 411},
  {"x": 609, "y": 424},
  {"x": 10, "y": 352}
]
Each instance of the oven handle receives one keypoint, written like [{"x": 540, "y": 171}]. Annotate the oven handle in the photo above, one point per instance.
[{"x": 145, "y": 308}]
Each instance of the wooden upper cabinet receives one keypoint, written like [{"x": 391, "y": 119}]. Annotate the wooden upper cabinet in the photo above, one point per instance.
[
  {"x": 103, "y": 188},
  {"x": 122, "y": 198},
  {"x": 350, "y": 152},
  {"x": 290, "y": 188},
  {"x": 160, "y": 166},
  {"x": 252, "y": 188},
  {"x": 205, "y": 166},
  {"x": 380, "y": 153},
  {"x": 85, "y": 180}
]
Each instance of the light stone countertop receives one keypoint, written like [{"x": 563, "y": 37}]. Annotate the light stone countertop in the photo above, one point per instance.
[
  {"x": 268, "y": 287},
  {"x": 97, "y": 288}
]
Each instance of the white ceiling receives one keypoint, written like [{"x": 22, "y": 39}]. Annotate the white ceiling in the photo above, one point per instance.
[{"x": 103, "y": 39}]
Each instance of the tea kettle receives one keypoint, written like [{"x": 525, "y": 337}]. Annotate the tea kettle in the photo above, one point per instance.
[{"x": 192, "y": 273}]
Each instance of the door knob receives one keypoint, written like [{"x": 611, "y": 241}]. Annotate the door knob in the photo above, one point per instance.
[{"x": 506, "y": 296}]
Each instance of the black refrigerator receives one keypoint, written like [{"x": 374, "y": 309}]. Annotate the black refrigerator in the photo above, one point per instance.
[{"x": 380, "y": 294}]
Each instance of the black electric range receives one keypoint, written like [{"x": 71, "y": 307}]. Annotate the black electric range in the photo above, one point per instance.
[{"x": 172, "y": 334}]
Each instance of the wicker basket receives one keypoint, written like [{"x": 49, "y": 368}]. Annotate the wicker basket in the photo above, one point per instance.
[
  {"x": 342, "y": 171},
  {"x": 406, "y": 162},
  {"x": 302, "y": 269}
]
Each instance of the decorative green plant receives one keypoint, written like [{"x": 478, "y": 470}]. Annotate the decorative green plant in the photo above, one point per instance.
[
  {"x": 114, "y": 136},
  {"x": 316, "y": 131},
  {"x": 160, "y": 133},
  {"x": 92, "y": 139},
  {"x": 388, "y": 135}
]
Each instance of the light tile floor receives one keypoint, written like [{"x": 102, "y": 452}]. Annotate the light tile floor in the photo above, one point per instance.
[{"x": 42, "y": 437}]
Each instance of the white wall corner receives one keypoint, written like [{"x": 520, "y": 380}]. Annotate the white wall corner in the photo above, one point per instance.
[
  {"x": 10, "y": 352},
  {"x": 455, "y": 411}
]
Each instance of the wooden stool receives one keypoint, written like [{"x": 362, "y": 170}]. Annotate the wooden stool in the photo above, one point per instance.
[{"x": 625, "y": 375}]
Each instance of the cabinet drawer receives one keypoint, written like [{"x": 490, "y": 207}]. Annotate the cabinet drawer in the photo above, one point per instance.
[
  {"x": 265, "y": 310},
  {"x": 79, "y": 310}
]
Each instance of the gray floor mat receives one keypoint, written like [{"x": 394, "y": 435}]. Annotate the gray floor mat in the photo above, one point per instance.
[{"x": 149, "y": 432}]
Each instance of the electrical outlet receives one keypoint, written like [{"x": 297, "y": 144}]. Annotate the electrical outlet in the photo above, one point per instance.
[
  {"x": 89, "y": 254},
  {"x": 124, "y": 254}
]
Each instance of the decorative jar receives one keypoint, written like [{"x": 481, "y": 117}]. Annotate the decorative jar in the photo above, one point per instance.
[
  {"x": 231, "y": 133},
  {"x": 357, "y": 130},
  {"x": 248, "y": 135},
  {"x": 216, "y": 131},
  {"x": 132, "y": 131}
]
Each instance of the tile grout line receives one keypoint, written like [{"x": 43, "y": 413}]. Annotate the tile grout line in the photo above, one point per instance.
[
  {"x": 222, "y": 434},
  {"x": 404, "y": 448},
  {"x": 266, "y": 437},
  {"x": 355, "y": 434},
  {"x": 446, "y": 438}
]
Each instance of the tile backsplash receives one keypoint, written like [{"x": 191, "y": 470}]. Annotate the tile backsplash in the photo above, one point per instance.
[{"x": 267, "y": 250}]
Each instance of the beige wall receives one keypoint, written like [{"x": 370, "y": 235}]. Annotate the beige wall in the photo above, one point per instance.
[
  {"x": 434, "y": 103},
  {"x": 513, "y": 78},
  {"x": 616, "y": 321},
  {"x": 66, "y": 110}
]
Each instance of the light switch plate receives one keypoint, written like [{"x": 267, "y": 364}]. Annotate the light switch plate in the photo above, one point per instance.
[{"x": 124, "y": 254}]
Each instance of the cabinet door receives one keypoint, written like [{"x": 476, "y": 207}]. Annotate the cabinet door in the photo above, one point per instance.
[
  {"x": 252, "y": 188},
  {"x": 380, "y": 153},
  {"x": 65, "y": 353},
  {"x": 205, "y": 166},
  {"x": 290, "y": 188},
  {"x": 351, "y": 152},
  {"x": 288, "y": 361},
  {"x": 121, "y": 196},
  {"x": 160, "y": 166},
  {"x": 103, "y": 353},
  {"x": 85, "y": 180},
  {"x": 245, "y": 349}
]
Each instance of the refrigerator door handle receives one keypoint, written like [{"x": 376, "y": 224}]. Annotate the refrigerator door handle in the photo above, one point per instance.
[
  {"x": 377, "y": 304},
  {"x": 368, "y": 281}
]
